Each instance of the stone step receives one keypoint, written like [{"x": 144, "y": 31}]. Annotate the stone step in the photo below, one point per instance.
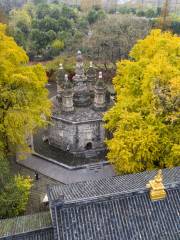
[
  {"x": 95, "y": 166},
  {"x": 90, "y": 154}
]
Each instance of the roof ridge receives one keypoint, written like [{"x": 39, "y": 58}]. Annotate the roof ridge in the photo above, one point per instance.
[
  {"x": 122, "y": 194},
  {"x": 25, "y": 224},
  {"x": 27, "y": 215},
  {"x": 118, "y": 184}
]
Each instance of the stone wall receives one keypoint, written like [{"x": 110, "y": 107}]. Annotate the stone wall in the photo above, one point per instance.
[
  {"x": 61, "y": 134},
  {"x": 77, "y": 137}
]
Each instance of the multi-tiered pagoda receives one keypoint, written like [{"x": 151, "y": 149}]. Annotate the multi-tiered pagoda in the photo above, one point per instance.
[{"x": 78, "y": 108}]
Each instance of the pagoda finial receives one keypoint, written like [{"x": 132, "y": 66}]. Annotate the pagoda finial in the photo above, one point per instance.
[
  {"x": 156, "y": 186},
  {"x": 79, "y": 57},
  {"x": 66, "y": 77},
  {"x": 67, "y": 95},
  {"x": 67, "y": 83},
  {"x": 61, "y": 66},
  {"x": 100, "y": 94},
  {"x": 60, "y": 79},
  {"x": 100, "y": 75},
  {"x": 91, "y": 64}
]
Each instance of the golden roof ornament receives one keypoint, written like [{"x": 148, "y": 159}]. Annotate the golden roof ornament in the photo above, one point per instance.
[{"x": 157, "y": 189}]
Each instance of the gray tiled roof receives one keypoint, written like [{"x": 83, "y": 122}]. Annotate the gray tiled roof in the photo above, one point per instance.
[
  {"x": 117, "y": 208},
  {"x": 80, "y": 115},
  {"x": 122, "y": 217},
  {"x": 113, "y": 185},
  {"x": 27, "y": 224}
]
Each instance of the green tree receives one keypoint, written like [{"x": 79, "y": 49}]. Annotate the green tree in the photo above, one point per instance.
[
  {"x": 140, "y": 13},
  {"x": 83, "y": 24},
  {"x": 55, "y": 13},
  {"x": 20, "y": 26},
  {"x": 22, "y": 18},
  {"x": 14, "y": 196},
  {"x": 124, "y": 10},
  {"x": 36, "y": 26},
  {"x": 36, "y": 2},
  {"x": 30, "y": 9},
  {"x": 68, "y": 12},
  {"x": 64, "y": 24},
  {"x": 95, "y": 15},
  {"x": 48, "y": 23},
  {"x": 19, "y": 37},
  {"x": 175, "y": 26},
  {"x": 145, "y": 118},
  {"x": 92, "y": 16},
  {"x": 42, "y": 11},
  {"x": 40, "y": 39},
  {"x": 57, "y": 46},
  {"x": 150, "y": 13},
  {"x": 51, "y": 35},
  {"x": 4, "y": 173}
]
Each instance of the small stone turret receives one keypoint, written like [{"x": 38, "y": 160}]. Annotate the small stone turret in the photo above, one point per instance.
[
  {"x": 60, "y": 80},
  {"x": 91, "y": 78},
  {"x": 100, "y": 94},
  {"x": 67, "y": 96}
]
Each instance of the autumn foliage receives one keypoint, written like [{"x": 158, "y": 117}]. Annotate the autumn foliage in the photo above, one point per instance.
[
  {"x": 24, "y": 106},
  {"x": 23, "y": 97},
  {"x": 145, "y": 118}
]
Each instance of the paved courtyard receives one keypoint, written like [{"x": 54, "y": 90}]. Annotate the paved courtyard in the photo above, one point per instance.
[
  {"x": 39, "y": 188},
  {"x": 64, "y": 175}
]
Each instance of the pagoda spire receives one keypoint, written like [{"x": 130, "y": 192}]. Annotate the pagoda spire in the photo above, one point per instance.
[
  {"x": 91, "y": 78},
  {"x": 60, "y": 79},
  {"x": 100, "y": 94},
  {"x": 81, "y": 93},
  {"x": 67, "y": 96}
]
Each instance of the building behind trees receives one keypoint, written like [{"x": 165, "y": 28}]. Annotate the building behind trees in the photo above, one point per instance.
[{"x": 174, "y": 5}]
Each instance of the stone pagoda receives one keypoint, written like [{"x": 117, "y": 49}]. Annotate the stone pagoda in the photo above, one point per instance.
[{"x": 78, "y": 108}]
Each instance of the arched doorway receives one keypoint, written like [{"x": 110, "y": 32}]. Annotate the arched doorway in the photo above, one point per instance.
[{"x": 88, "y": 146}]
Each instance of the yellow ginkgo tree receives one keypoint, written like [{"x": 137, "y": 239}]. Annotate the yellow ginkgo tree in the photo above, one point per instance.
[
  {"x": 24, "y": 106},
  {"x": 24, "y": 102},
  {"x": 145, "y": 120}
]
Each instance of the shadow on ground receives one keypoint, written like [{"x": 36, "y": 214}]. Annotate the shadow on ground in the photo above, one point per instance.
[{"x": 58, "y": 155}]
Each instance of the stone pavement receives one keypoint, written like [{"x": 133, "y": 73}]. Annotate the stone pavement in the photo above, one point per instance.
[{"x": 63, "y": 175}]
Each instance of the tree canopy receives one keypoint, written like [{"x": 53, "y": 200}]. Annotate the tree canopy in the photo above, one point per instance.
[
  {"x": 23, "y": 97},
  {"x": 21, "y": 108},
  {"x": 36, "y": 27},
  {"x": 145, "y": 118},
  {"x": 14, "y": 192},
  {"x": 24, "y": 106},
  {"x": 113, "y": 37}
]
